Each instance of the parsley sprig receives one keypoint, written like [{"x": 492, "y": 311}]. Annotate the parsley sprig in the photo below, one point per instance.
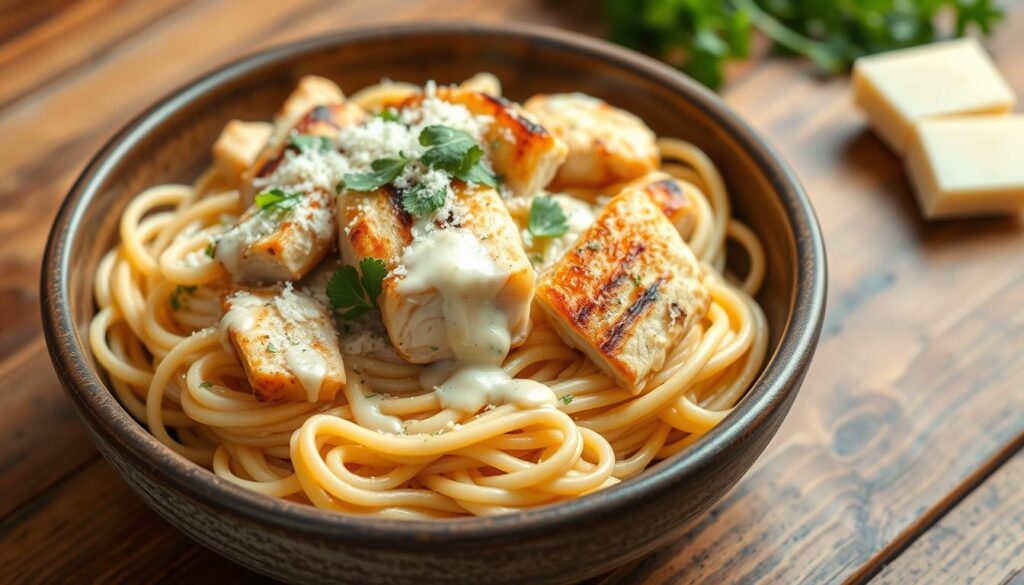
[
  {"x": 450, "y": 150},
  {"x": 456, "y": 153},
  {"x": 547, "y": 218},
  {"x": 699, "y": 36},
  {"x": 353, "y": 293}
]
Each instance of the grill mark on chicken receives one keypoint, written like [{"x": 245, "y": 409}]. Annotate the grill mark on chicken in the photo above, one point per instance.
[
  {"x": 582, "y": 315},
  {"x": 630, "y": 315},
  {"x": 404, "y": 218},
  {"x": 319, "y": 114},
  {"x": 667, "y": 194},
  {"x": 271, "y": 165}
]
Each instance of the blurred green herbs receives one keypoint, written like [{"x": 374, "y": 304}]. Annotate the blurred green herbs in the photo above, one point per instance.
[{"x": 700, "y": 36}]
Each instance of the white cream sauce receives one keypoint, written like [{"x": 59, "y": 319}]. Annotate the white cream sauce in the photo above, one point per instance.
[
  {"x": 366, "y": 409},
  {"x": 455, "y": 264},
  {"x": 309, "y": 367},
  {"x": 238, "y": 318}
]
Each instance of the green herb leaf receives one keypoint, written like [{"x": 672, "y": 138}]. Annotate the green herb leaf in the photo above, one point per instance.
[
  {"x": 566, "y": 398},
  {"x": 277, "y": 200},
  {"x": 271, "y": 348},
  {"x": 421, "y": 200},
  {"x": 547, "y": 218},
  {"x": 456, "y": 153},
  {"x": 351, "y": 295},
  {"x": 448, "y": 147},
  {"x": 700, "y": 36},
  {"x": 473, "y": 171},
  {"x": 205, "y": 384},
  {"x": 307, "y": 143},
  {"x": 210, "y": 250},
  {"x": 373, "y": 273},
  {"x": 179, "y": 298},
  {"x": 384, "y": 171},
  {"x": 389, "y": 115}
]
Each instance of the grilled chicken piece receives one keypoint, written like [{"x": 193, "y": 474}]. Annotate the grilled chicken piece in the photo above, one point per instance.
[
  {"x": 286, "y": 344},
  {"x": 311, "y": 91},
  {"x": 375, "y": 225},
  {"x": 628, "y": 291},
  {"x": 320, "y": 121},
  {"x": 238, "y": 146},
  {"x": 482, "y": 82},
  {"x": 606, "y": 144},
  {"x": 282, "y": 242},
  {"x": 520, "y": 150},
  {"x": 672, "y": 196}
]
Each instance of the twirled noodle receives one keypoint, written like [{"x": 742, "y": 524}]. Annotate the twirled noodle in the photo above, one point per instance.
[{"x": 170, "y": 371}]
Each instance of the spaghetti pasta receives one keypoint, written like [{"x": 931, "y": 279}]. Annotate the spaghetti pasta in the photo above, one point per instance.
[{"x": 155, "y": 335}]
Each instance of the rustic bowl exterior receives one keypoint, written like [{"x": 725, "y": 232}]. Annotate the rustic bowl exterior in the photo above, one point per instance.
[{"x": 555, "y": 544}]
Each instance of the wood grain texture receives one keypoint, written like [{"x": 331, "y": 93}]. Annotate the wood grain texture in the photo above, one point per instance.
[
  {"x": 915, "y": 387},
  {"x": 979, "y": 541}
]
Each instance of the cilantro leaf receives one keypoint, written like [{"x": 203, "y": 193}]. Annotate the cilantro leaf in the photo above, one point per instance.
[
  {"x": 547, "y": 218},
  {"x": 384, "y": 170},
  {"x": 448, "y": 147},
  {"x": 308, "y": 143},
  {"x": 277, "y": 200},
  {"x": 351, "y": 296},
  {"x": 210, "y": 250},
  {"x": 373, "y": 272},
  {"x": 456, "y": 153},
  {"x": 473, "y": 171},
  {"x": 422, "y": 200}
]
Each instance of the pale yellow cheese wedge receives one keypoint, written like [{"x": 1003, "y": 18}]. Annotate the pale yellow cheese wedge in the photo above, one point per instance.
[
  {"x": 898, "y": 88},
  {"x": 972, "y": 165}
]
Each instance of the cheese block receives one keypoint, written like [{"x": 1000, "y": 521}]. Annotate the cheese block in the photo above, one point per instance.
[
  {"x": 972, "y": 165},
  {"x": 898, "y": 88}
]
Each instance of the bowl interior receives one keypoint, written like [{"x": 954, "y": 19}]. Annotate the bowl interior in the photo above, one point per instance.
[{"x": 172, "y": 142}]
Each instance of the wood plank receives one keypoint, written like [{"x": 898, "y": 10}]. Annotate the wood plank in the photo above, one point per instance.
[
  {"x": 979, "y": 541},
  {"x": 20, "y": 15},
  {"x": 82, "y": 33},
  {"x": 916, "y": 380},
  {"x": 41, "y": 438},
  {"x": 92, "y": 529}
]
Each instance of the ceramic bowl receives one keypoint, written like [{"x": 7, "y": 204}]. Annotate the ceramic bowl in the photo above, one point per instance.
[{"x": 555, "y": 544}]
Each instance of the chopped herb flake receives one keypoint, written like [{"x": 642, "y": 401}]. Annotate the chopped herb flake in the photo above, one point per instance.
[
  {"x": 306, "y": 143},
  {"x": 277, "y": 200},
  {"x": 205, "y": 384},
  {"x": 566, "y": 398},
  {"x": 271, "y": 348},
  {"x": 179, "y": 298},
  {"x": 388, "y": 115}
]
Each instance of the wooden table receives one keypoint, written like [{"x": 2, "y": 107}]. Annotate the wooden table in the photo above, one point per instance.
[{"x": 900, "y": 461}]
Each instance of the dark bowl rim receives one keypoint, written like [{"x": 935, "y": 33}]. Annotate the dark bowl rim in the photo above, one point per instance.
[{"x": 782, "y": 374}]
